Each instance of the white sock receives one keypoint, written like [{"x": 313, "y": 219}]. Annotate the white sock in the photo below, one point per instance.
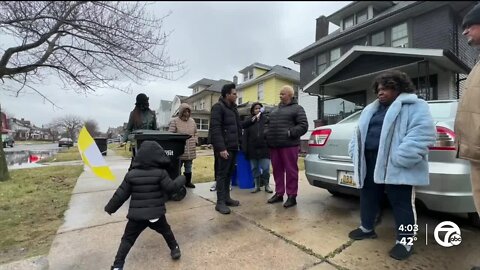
[{"x": 364, "y": 230}]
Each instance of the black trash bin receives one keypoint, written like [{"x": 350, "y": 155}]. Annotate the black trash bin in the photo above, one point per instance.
[
  {"x": 174, "y": 146},
  {"x": 102, "y": 144}
]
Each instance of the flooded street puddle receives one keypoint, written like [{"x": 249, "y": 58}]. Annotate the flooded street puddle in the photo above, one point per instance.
[{"x": 27, "y": 158}]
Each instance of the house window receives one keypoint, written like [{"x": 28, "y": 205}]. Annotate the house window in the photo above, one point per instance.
[
  {"x": 378, "y": 39},
  {"x": 400, "y": 35},
  {"x": 260, "y": 91},
  {"x": 202, "y": 124},
  {"x": 348, "y": 22},
  {"x": 362, "y": 16},
  {"x": 202, "y": 105},
  {"x": 239, "y": 97},
  {"x": 321, "y": 63},
  {"x": 334, "y": 55}
]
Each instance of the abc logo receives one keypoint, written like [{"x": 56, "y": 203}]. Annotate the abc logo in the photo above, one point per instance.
[{"x": 452, "y": 235}]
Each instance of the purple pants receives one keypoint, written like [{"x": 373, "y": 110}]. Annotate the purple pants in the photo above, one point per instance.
[{"x": 285, "y": 169}]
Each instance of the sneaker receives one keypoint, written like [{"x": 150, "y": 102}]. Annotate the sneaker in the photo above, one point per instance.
[
  {"x": 275, "y": 198},
  {"x": 358, "y": 234},
  {"x": 116, "y": 268},
  {"x": 175, "y": 253},
  {"x": 400, "y": 252},
  {"x": 213, "y": 188}
]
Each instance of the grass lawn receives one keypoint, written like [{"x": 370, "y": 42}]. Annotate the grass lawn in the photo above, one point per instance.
[
  {"x": 65, "y": 154},
  {"x": 32, "y": 204},
  {"x": 121, "y": 151},
  {"x": 203, "y": 169}
]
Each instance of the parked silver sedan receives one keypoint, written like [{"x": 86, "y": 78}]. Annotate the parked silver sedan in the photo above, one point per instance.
[{"x": 328, "y": 165}]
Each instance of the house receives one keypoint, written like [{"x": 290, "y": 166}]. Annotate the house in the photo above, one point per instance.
[
  {"x": 262, "y": 83},
  {"x": 20, "y": 128},
  {"x": 164, "y": 114},
  {"x": 421, "y": 38},
  {"x": 177, "y": 100},
  {"x": 205, "y": 94}
]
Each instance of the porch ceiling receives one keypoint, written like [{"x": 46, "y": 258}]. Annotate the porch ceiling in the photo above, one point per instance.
[{"x": 439, "y": 60}]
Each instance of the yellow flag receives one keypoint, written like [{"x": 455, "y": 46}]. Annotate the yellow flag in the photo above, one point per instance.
[{"x": 92, "y": 157}]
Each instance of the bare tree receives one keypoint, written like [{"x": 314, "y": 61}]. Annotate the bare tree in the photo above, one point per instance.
[
  {"x": 87, "y": 44},
  {"x": 53, "y": 130},
  {"x": 92, "y": 127},
  {"x": 70, "y": 124}
]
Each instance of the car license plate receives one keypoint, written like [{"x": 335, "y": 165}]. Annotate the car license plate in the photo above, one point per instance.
[{"x": 345, "y": 178}]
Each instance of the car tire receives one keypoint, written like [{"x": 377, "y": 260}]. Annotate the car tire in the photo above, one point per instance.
[{"x": 474, "y": 219}]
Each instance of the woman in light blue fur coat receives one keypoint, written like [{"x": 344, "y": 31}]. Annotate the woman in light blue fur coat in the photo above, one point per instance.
[{"x": 389, "y": 150}]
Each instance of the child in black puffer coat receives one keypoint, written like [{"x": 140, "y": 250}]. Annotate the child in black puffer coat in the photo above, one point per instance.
[{"x": 148, "y": 184}]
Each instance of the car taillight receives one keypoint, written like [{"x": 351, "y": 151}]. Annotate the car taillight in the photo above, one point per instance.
[
  {"x": 445, "y": 139},
  {"x": 319, "y": 137}
]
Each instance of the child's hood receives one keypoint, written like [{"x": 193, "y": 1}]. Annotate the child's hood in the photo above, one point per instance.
[{"x": 150, "y": 155}]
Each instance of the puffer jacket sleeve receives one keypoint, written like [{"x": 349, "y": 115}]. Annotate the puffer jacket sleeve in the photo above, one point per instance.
[
  {"x": 301, "y": 123},
  {"x": 122, "y": 193},
  {"x": 217, "y": 137},
  {"x": 420, "y": 135},
  {"x": 170, "y": 185},
  {"x": 172, "y": 127}
]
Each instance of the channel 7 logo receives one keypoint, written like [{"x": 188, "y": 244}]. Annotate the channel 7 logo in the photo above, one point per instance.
[{"x": 452, "y": 235}]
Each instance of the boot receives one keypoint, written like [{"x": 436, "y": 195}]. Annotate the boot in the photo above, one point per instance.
[
  {"x": 188, "y": 177},
  {"x": 267, "y": 185},
  {"x": 221, "y": 205},
  {"x": 228, "y": 200},
  {"x": 257, "y": 185}
]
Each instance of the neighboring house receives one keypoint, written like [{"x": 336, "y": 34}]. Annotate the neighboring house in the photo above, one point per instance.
[
  {"x": 20, "y": 128},
  {"x": 41, "y": 134},
  {"x": 262, "y": 83},
  {"x": 164, "y": 114},
  {"x": 177, "y": 100},
  {"x": 116, "y": 133},
  {"x": 421, "y": 38},
  {"x": 205, "y": 93}
]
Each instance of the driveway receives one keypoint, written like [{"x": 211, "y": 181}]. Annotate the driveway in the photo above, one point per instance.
[{"x": 312, "y": 235}]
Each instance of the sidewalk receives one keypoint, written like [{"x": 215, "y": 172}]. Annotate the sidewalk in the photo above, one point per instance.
[{"x": 312, "y": 235}]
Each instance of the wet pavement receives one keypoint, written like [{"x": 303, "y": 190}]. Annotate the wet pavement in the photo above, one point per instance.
[{"x": 312, "y": 235}]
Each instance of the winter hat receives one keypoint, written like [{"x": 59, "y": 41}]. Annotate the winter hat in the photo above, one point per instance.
[
  {"x": 472, "y": 17},
  {"x": 141, "y": 99}
]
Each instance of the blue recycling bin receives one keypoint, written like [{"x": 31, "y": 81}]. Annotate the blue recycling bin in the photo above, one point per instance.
[{"x": 243, "y": 172}]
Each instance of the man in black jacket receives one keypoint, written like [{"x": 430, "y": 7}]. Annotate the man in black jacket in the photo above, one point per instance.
[
  {"x": 148, "y": 184},
  {"x": 225, "y": 134},
  {"x": 286, "y": 124}
]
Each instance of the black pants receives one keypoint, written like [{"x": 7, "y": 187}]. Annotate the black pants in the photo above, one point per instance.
[
  {"x": 133, "y": 230},
  {"x": 223, "y": 173},
  {"x": 401, "y": 199}
]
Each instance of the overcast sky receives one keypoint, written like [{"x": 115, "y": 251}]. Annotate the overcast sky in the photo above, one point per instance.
[{"x": 215, "y": 39}]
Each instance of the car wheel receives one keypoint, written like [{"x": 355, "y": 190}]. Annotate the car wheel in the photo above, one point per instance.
[{"x": 474, "y": 219}]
